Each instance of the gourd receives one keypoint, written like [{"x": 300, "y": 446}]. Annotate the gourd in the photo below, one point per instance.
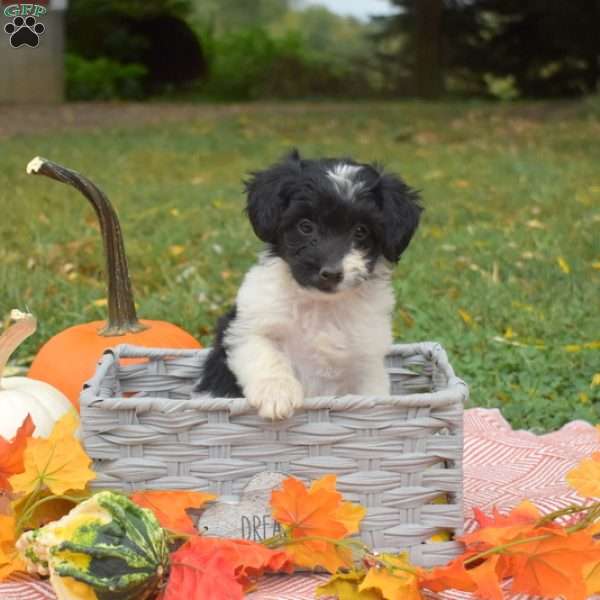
[
  {"x": 20, "y": 396},
  {"x": 106, "y": 548},
  {"x": 69, "y": 358}
]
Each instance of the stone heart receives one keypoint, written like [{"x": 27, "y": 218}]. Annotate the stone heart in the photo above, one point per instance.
[{"x": 250, "y": 517}]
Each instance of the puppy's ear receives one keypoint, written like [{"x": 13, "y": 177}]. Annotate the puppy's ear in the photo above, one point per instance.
[
  {"x": 401, "y": 213},
  {"x": 268, "y": 195}
]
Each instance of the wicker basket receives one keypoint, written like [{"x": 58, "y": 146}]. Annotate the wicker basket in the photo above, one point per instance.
[{"x": 400, "y": 456}]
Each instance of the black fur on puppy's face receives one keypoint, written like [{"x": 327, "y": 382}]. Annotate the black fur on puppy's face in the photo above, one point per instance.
[{"x": 331, "y": 219}]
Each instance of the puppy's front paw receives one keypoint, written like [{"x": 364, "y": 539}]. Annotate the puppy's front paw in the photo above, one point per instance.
[{"x": 275, "y": 397}]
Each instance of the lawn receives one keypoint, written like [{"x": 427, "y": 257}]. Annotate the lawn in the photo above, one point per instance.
[{"x": 504, "y": 271}]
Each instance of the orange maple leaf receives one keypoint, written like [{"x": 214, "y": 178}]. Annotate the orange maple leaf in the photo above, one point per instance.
[
  {"x": 58, "y": 463},
  {"x": 308, "y": 512},
  {"x": 453, "y": 576},
  {"x": 169, "y": 507},
  {"x": 10, "y": 561},
  {"x": 553, "y": 565},
  {"x": 500, "y": 529},
  {"x": 313, "y": 554},
  {"x": 11, "y": 453},
  {"x": 591, "y": 576},
  {"x": 348, "y": 514},
  {"x": 316, "y": 512}
]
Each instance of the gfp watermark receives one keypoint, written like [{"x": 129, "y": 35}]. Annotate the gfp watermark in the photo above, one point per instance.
[{"x": 24, "y": 29}]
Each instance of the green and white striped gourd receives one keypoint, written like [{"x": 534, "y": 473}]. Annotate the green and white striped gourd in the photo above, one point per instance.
[{"x": 106, "y": 548}]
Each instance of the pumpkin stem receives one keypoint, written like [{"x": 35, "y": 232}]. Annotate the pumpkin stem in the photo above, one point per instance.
[
  {"x": 24, "y": 325},
  {"x": 122, "y": 317}
]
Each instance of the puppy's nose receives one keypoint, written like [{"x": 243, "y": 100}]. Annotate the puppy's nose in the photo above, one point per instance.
[{"x": 331, "y": 275}]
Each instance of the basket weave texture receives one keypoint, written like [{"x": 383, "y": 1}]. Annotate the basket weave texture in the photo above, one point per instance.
[{"x": 400, "y": 456}]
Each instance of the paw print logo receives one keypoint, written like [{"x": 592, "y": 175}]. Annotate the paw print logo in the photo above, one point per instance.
[{"x": 24, "y": 32}]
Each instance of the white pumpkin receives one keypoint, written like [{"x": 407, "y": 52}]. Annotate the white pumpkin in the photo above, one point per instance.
[{"x": 20, "y": 396}]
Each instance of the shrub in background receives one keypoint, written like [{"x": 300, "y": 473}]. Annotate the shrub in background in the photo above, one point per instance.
[
  {"x": 152, "y": 33},
  {"x": 103, "y": 79},
  {"x": 252, "y": 63}
]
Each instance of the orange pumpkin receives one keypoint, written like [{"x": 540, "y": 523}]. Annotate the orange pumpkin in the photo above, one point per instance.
[{"x": 69, "y": 359}]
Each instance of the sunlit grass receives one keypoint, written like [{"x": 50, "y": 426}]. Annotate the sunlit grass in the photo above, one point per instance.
[{"x": 505, "y": 270}]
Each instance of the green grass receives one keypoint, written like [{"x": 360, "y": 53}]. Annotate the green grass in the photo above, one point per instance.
[{"x": 508, "y": 191}]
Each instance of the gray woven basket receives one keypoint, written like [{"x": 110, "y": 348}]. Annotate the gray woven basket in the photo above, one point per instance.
[{"x": 400, "y": 456}]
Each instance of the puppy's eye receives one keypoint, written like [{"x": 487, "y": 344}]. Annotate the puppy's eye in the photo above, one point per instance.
[
  {"x": 361, "y": 232},
  {"x": 306, "y": 227}
]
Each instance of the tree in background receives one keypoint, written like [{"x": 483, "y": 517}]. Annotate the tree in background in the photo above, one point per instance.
[
  {"x": 227, "y": 15},
  {"x": 417, "y": 27},
  {"x": 539, "y": 47},
  {"x": 129, "y": 48}
]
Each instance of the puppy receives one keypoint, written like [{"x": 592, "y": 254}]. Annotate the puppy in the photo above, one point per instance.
[{"x": 313, "y": 317}]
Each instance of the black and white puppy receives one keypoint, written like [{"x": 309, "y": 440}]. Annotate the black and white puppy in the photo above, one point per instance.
[{"x": 313, "y": 317}]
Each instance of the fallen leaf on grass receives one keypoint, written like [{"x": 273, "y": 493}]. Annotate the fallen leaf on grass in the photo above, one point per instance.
[
  {"x": 466, "y": 317},
  {"x": 58, "y": 463},
  {"x": 169, "y": 507},
  {"x": 563, "y": 265},
  {"x": 579, "y": 347},
  {"x": 11, "y": 453}
]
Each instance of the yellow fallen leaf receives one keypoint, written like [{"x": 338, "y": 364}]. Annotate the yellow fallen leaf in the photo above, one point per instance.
[
  {"x": 535, "y": 224},
  {"x": 466, "y": 317},
  {"x": 176, "y": 250},
  {"x": 100, "y": 302},
  {"x": 58, "y": 463},
  {"x": 596, "y": 265},
  {"x": 585, "y": 477},
  {"x": 573, "y": 348},
  {"x": 579, "y": 347},
  {"x": 595, "y": 380},
  {"x": 584, "y": 398},
  {"x": 174, "y": 212},
  {"x": 461, "y": 183},
  {"x": 563, "y": 265},
  {"x": 509, "y": 333}
]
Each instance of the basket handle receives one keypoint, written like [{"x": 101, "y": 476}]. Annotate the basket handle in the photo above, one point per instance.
[{"x": 132, "y": 351}]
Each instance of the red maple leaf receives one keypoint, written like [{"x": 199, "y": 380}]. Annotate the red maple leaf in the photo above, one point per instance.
[{"x": 11, "y": 453}]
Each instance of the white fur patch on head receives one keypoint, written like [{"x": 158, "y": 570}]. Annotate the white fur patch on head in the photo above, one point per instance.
[
  {"x": 344, "y": 179},
  {"x": 355, "y": 269}
]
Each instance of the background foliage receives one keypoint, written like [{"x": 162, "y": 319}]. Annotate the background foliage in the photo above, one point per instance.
[
  {"x": 504, "y": 270},
  {"x": 236, "y": 49}
]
